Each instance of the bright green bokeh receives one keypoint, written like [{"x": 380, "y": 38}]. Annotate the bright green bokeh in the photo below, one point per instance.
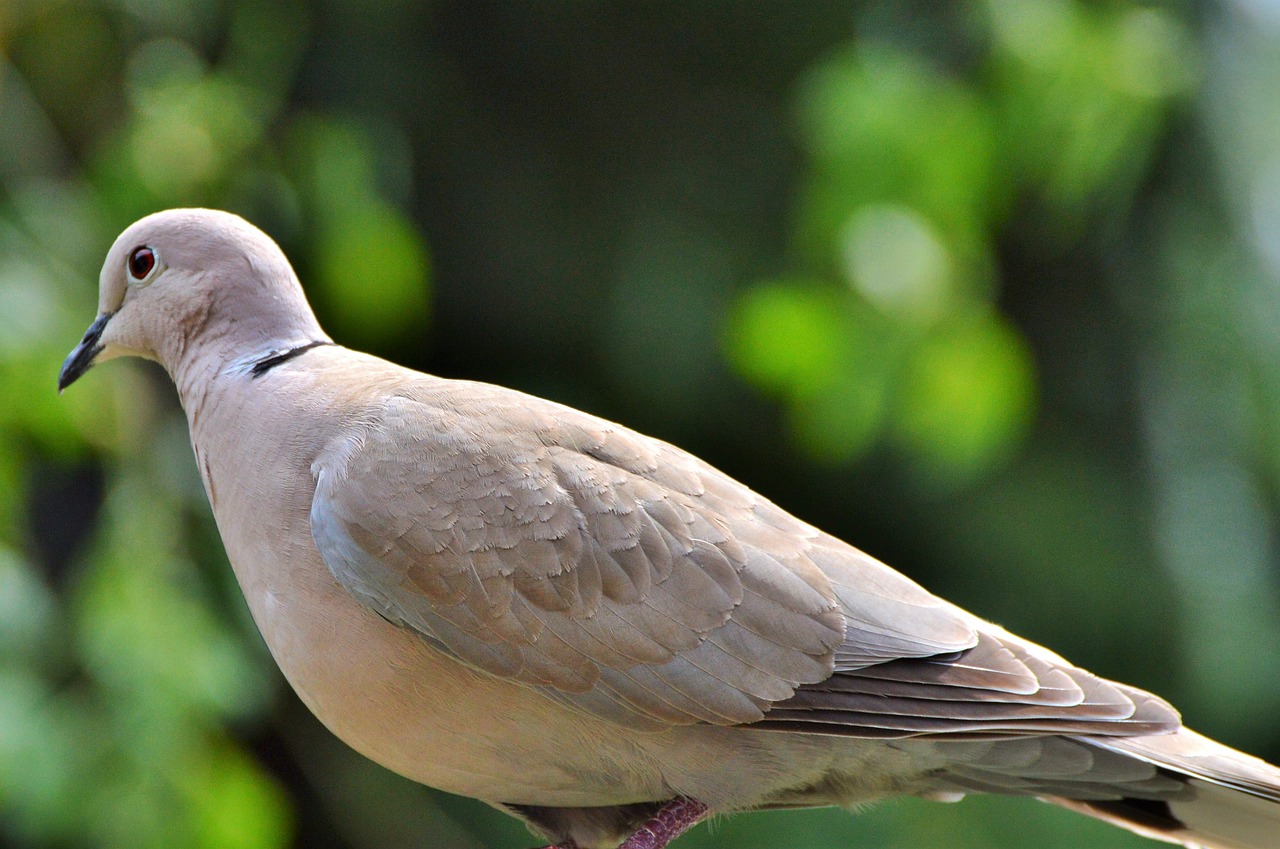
[{"x": 987, "y": 288}]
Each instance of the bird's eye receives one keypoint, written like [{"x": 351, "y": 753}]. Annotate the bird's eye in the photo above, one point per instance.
[{"x": 141, "y": 262}]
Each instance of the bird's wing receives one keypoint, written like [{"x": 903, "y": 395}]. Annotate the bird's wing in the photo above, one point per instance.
[
  {"x": 627, "y": 577},
  {"x": 1001, "y": 687}
]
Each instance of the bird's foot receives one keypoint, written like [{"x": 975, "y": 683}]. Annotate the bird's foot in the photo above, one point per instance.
[{"x": 672, "y": 820}]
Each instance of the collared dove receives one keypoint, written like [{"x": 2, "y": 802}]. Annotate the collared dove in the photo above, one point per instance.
[{"x": 590, "y": 629}]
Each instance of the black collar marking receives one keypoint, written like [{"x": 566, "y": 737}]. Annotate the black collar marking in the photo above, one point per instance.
[{"x": 266, "y": 364}]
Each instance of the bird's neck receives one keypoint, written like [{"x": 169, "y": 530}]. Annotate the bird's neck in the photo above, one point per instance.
[{"x": 224, "y": 337}]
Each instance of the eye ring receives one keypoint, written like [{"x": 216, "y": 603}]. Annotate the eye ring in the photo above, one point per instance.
[{"x": 142, "y": 261}]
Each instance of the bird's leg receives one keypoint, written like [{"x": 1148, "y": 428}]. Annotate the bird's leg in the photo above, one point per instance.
[{"x": 672, "y": 820}]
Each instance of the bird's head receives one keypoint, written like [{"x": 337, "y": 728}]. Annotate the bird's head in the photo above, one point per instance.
[{"x": 184, "y": 276}]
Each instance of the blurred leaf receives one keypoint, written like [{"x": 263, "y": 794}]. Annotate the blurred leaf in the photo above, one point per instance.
[
  {"x": 27, "y": 610},
  {"x": 884, "y": 127},
  {"x": 89, "y": 414},
  {"x": 190, "y": 133},
  {"x": 840, "y": 422},
  {"x": 235, "y": 806},
  {"x": 142, "y": 629},
  {"x": 373, "y": 272},
  {"x": 45, "y": 745},
  {"x": 1081, "y": 92},
  {"x": 371, "y": 267},
  {"x": 967, "y": 395},
  {"x": 788, "y": 337},
  {"x": 12, "y": 490},
  {"x": 896, "y": 259}
]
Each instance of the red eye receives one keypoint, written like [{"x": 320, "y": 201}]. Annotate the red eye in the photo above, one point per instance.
[{"x": 141, "y": 261}]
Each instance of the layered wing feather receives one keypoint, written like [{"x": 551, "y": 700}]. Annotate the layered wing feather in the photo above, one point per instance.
[
  {"x": 628, "y": 578},
  {"x": 1001, "y": 687}
]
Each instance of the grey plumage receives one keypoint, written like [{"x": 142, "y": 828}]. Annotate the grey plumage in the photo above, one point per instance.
[{"x": 511, "y": 599}]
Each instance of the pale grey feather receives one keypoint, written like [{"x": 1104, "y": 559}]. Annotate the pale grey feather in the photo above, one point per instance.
[{"x": 515, "y": 601}]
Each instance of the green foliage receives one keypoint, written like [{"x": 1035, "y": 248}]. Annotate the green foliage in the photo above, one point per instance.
[
  {"x": 1005, "y": 269},
  {"x": 883, "y": 127},
  {"x": 966, "y": 394},
  {"x": 788, "y": 337},
  {"x": 913, "y": 171},
  {"x": 119, "y": 690},
  {"x": 361, "y": 236},
  {"x": 1081, "y": 93}
]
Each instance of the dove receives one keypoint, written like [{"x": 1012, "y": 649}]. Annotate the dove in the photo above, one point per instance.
[{"x": 590, "y": 629}]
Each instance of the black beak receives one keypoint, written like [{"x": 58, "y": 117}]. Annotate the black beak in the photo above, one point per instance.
[{"x": 81, "y": 359}]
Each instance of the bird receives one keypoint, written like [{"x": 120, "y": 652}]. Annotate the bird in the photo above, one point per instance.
[{"x": 590, "y": 629}]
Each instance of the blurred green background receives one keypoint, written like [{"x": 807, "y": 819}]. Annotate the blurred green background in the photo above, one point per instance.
[{"x": 990, "y": 289}]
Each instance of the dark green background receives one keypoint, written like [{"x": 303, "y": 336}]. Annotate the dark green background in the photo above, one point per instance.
[{"x": 990, "y": 289}]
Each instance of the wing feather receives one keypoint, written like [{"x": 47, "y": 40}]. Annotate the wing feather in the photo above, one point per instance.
[{"x": 629, "y": 579}]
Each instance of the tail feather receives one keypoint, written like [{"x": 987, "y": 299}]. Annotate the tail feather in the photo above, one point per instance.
[{"x": 1229, "y": 800}]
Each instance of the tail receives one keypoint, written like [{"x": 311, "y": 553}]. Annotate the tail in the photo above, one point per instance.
[{"x": 1228, "y": 800}]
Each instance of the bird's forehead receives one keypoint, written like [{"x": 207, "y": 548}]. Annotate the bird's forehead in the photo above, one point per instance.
[
  {"x": 164, "y": 233},
  {"x": 202, "y": 245},
  {"x": 192, "y": 238},
  {"x": 155, "y": 233},
  {"x": 171, "y": 232}
]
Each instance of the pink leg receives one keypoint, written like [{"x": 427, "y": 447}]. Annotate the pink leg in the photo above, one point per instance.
[{"x": 672, "y": 820}]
